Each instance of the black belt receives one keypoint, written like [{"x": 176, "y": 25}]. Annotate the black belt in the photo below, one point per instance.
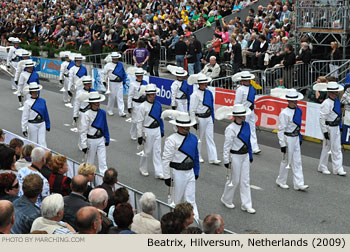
[
  {"x": 94, "y": 136},
  {"x": 182, "y": 166},
  {"x": 139, "y": 100},
  {"x": 291, "y": 134},
  {"x": 204, "y": 115},
  {"x": 118, "y": 79},
  {"x": 153, "y": 125},
  {"x": 333, "y": 124},
  {"x": 243, "y": 150},
  {"x": 66, "y": 75},
  {"x": 183, "y": 97},
  {"x": 36, "y": 121},
  {"x": 251, "y": 107}
]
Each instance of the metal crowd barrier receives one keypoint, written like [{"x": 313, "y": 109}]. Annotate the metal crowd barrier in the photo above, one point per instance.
[
  {"x": 163, "y": 55},
  {"x": 134, "y": 195}
]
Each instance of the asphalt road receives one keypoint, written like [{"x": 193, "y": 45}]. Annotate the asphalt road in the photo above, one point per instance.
[{"x": 322, "y": 209}]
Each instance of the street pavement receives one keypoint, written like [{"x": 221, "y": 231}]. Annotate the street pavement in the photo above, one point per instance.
[{"x": 323, "y": 208}]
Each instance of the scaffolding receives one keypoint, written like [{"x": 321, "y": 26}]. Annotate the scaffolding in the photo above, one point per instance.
[{"x": 323, "y": 21}]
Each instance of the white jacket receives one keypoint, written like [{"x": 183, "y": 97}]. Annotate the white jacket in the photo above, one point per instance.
[
  {"x": 286, "y": 124},
  {"x": 232, "y": 142}
]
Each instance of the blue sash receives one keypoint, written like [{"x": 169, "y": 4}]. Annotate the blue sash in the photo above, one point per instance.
[
  {"x": 100, "y": 123},
  {"x": 82, "y": 71},
  {"x": 39, "y": 106},
  {"x": 189, "y": 148},
  {"x": 155, "y": 113},
  {"x": 143, "y": 82},
  {"x": 251, "y": 94},
  {"x": 34, "y": 77},
  {"x": 337, "y": 110},
  {"x": 185, "y": 88},
  {"x": 70, "y": 65},
  {"x": 297, "y": 119},
  {"x": 119, "y": 71},
  {"x": 244, "y": 136},
  {"x": 208, "y": 101}
]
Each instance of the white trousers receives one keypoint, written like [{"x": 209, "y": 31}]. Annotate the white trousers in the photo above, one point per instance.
[
  {"x": 185, "y": 188},
  {"x": 334, "y": 146},
  {"x": 97, "y": 146},
  {"x": 206, "y": 131},
  {"x": 116, "y": 94},
  {"x": 253, "y": 139},
  {"x": 181, "y": 105},
  {"x": 37, "y": 133},
  {"x": 153, "y": 143},
  {"x": 13, "y": 84},
  {"x": 240, "y": 175},
  {"x": 135, "y": 109},
  {"x": 66, "y": 97},
  {"x": 293, "y": 156}
]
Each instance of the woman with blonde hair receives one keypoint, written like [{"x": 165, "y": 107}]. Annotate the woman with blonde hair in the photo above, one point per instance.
[
  {"x": 334, "y": 56},
  {"x": 88, "y": 171},
  {"x": 59, "y": 183},
  {"x": 25, "y": 159}
]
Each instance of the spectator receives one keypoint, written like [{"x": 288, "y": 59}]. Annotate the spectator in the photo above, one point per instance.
[
  {"x": 38, "y": 160},
  {"x": 190, "y": 56},
  {"x": 236, "y": 55},
  {"x": 9, "y": 186},
  {"x": 25, "y": 209},
  {"x": 123, "y": 216},
  {"x": 171, "y": 224},
  {"x": 213, "y": 224},
  {"x": 272, "y": 50},
  {"x": 59, "y": 183},
  {"x": 253, "y": 46},
  {"x": 258, "y": 58},
  {"x": 318, "y": 96},
  {"x": 180, "y": 52},
  {"x": 75, "y": 200},
  {"x": 334, "y": 56},
  {"x": 198, "y": 50},
  {"x": 210, "y": 52},
  {"x": 98, "y": 198},
  {"x": 121, "y": 195},
  {"x": 141, "y": 55},
  {"x": 212, "y": 69},
  {"x": 216, "y": 44},
  {"x": 154, "y": 49},
  {"x": 184, "y": 211},
  {"x": 144, "y": 223},
  {"x": 96, "y": 49},
  {"x": 52, "y": 213},
  {"x": 110, "y": 178},
  {"x": 2, "y": 137},
  {"x": 276, "y": 59},
  {"x": 45, "y": 170},
  {"x": 7, "y": 158},
  {"x": 288, "y": 63},
  {"x": 7, "y": 216},
  {"x": 88, "y": 171},
  {"x": 25, "y": 159},
  {"x": 89, "y": 220},
  {"x": 16, "y": 144},
  {"x": 305, "y": 56}
]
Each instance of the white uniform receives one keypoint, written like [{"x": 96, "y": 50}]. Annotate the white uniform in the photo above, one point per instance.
[
  {"x": 288, "y": 136},
  {"x": 95, "y": 144},
  {"x": 206, "y": 125},
  {"x": 22, "y": 82},
  {"x": 19, "y": 70},
  {"x": 153, "y": 138},
  {"x": 242, "y": 98},
  {"x": 134, "y": 102},
  {"x": 178, "y": 98},
  {"x": 329, "y": 122},
  {"x": 240, "y": 166},
  {"x": 182, "y": 169},
  {"x": 73, "y": 77},
  {"x": 10, "y": 57},
  {"x": 33, "y": 123},
  {"x": 115, "y": 85},
  {"x": 64, "y": 74}
]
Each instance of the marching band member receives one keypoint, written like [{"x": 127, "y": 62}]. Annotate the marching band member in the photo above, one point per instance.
[
  {"x": 150, "y": 129},
  {"x": 180, "y": 91},
  {"x": 330, "y": 122},
  {"x": 80, "y": 106},
  {"x": 114, "y": 71},
  {"x": 66, "y": 65},
  {"x": 12, "y": 58},
  {"x": 24, "y": 56},
  {"x": 237, "y": 155},
  {"x": 289, "y": 139},
  {"x": 245, "y": 95},
  {"x": 94, "y": 131},
  {"x": 181, "y": 154},
  {"x": 135, "y": 99},
  {"x": 76, "y": 72},
  {"x": 35, "y": 117},
  {"x": 202, "y": 106},
  {"x": 27, "y": 76}
]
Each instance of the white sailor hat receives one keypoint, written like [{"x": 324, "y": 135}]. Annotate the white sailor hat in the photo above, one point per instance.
[
  {"x": 95, "y": 97},
  {"x": 116, "y": 55},
  {"x": 180, "y": 72},
  {"x": 293, "y": 95},
  {"x": 33, "y": 86},
  {"x": 30, "y": 64},
  {"x": 244, "y": 75},
  {"x": 65, "y": 54},
  {"x": 15, "y": 40},
  {"x": 226, "y": 112},
  {"x": 87, "y": 79},
  {"x": 183, "y": 120},
  {"x": 328, "y": 87},
  {"x": 23, "y": 53},
  {"x": 151, "y": 89},
  {"x": 140, "y": 71},
  {"x": 202, "y": 78},
  {"x": 240, "y": 110},
  {"x": 79, "y": 57}
]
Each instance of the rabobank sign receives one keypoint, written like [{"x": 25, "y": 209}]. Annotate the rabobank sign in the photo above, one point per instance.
[{"x": 164, "y": 96}]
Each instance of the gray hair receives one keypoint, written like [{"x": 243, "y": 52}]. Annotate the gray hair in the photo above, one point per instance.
[
  {"x": 212, "y": 57},
  {"x": 98, "y": 196},
  {"x": 51, "y": 205},
  {"x": 37, "y": 154},
  {"x": 211, "y": 223},
  {"x": 148, "y": 202}
]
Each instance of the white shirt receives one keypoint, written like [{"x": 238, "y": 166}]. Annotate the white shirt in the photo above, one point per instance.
[
  {"x": 64, "y": 70},
  {"x": 196, "y": 103},
  {"x": 286, "y": 124},
  {"x": 22, "y": 82},
  {"x": 11, "y": 55},
  {"x": 28, "y": 113},
  {"x": 85, "y": 127},
  {"x": 176, "y": 93},
  {"x": 142, "y": 118},
  {"x": 107, "y": 71},
  {"x": 79, "y": 104},
  {"x": 242, "y": 95},
  {"x": 19, "y": 70},
  {"x": 73, "y": 78},
  {"x": 134, "y": 93},
  {"x": 327, "y": 114},
  {"x": 232, "y": 142}
]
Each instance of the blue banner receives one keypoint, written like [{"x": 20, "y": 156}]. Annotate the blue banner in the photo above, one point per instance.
[
  {"x": 164, "y": 96},
  {"x": 48, "y": 66},
  {"x": 345, "y": 137},
  {"x": 37, "y": 61}
]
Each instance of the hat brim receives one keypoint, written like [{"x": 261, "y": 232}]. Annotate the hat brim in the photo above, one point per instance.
[
  {"x": 174, "y": 122},
  {"x": 247, "y": 112},
  {"x": 102, "y": 98},
  {"x": 31, "y": 65},
  {"x": 26, "y": 89},
  {"x": 208, "y": 80},
  {"x": 300, "y": 97},
  {"x": 180, "y": 75},
  {"x": 250, "y": 77},
  {"x": 324, "y": 87},
  {"x": 152, "y": 91}
]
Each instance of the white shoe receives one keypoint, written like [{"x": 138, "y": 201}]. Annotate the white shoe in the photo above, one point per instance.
[
  {"x": 144, "y": 173},
  {"x": 201, "y": 160},
  {"x": 133, "y": 138},
  {"x": 159, "y": 177},
  {"x": 68, "y": 105},
  {"x": 14, "y": 92},
  {"x": 248, "y": 210},
  {"x": 301, "y": 188},
  {"x": 341, "y": 173},
  {"x": 123, "y": 115},
  {"x": 326, "y": 172},
  {"x": 231, "y": 206},
  {"x": 110, "y": 113},
  {"x": 283, "y": 186},
  {"x": 215, "y": 162},
  {"x": 21, "y": 108},
  {"x": 257, "y": 151}
]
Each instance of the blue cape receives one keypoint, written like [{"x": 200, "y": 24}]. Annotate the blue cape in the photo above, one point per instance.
[
  {"x": 297, "y": 119},
  {"x": 185, "y": 88},
  {"x": 100, "y": 123},
  {"x": 244, "y": 136},
  {"x": 208, "y": 101},
  {"x": 34, "y": 77},
  {"x": 70, "y": 65},
  {"x": 119, "y": 71},
  {"x": 251, "y": 94},
  {"x": 82, "y": 71},
  {"x": 190, "y": 149},
  {"x": 337, "y": 110},
  {"x": 143, "y": 82},
  {"x": 39, "y": 106},
  {"x": 155, "y": 113}
]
